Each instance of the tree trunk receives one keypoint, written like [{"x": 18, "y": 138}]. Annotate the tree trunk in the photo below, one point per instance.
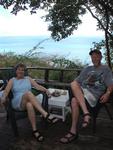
[{"x": 107, "y": 49}]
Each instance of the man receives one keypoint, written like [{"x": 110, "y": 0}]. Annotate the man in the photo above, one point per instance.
[{"x": 94, "y": 83}]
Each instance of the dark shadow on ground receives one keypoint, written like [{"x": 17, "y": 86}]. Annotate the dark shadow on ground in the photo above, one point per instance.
[{"x": 102, "y": 140}]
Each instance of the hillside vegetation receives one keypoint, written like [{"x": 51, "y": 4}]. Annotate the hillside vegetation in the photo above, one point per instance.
[{"x": 10, "y": 59}]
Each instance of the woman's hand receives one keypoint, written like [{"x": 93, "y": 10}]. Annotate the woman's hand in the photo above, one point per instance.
[{"x": 48, "y": 93}]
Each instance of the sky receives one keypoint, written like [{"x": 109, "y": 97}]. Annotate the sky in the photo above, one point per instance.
[{"x": 25, "y": 24}]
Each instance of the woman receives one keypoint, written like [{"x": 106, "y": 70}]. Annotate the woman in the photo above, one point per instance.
[{"x": 23, "y": 99}]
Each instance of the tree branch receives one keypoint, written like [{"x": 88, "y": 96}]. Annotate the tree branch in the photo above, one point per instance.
[{"x": 94, "y": 16}]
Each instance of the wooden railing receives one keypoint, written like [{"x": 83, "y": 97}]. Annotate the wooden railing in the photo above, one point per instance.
[{"x": 45, "y": 80}]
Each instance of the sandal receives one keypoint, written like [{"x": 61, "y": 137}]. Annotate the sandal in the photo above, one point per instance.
[
  {"x": 68, "y": 139},
  {"x": 38, "y": 137},
  {"x": 86, "y": 123},
  {"x": 52, "y": 120}
]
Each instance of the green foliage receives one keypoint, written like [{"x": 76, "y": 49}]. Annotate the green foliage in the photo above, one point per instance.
[
  {"x": 6, "y": 74},
  {"x": 63, "y": 63},
  {"x": 64, "y": 15},
  {"x": 10, "y": 59},
  {"x": 64, "y": 18}
]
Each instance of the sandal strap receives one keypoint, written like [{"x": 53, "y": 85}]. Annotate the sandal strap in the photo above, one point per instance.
[
  {"x": 34, "y": 131},
  {"x": 39, "y": 136},
  {"x": 71, "y": 138},
  {"x": 86, "y": 114},
  {"x": 47, "y": 116},
  {"x": 51, "y": 120},
  {"x": 73, "y": 134},
  {"x": 85, "y": 122}
]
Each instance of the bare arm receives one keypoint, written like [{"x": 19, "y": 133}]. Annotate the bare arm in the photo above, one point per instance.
[
  {"x": 39, "y": 87},
  {"x": 105, "y": 97}
]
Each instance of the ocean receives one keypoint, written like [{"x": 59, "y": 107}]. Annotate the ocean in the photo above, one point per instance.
[{"x": 74, "y": 48}]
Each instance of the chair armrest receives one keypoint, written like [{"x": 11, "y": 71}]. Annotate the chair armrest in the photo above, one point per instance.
[
  {"x": 45, "y": 97},
  {"x": 9, "y": 103},
  {"x": 36, "y": 92}
]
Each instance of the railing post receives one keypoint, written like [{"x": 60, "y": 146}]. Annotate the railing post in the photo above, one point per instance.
[
  {"x": 46, "y": 76},
  {"x": 78, "y": 72},
  {"x": 61, "y": 76}
]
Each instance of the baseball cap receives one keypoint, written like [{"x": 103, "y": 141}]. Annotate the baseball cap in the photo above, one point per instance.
[{"x": 95, "y": 51}]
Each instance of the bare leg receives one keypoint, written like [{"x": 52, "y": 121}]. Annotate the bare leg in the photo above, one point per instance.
[
  {"x": 75, "y": 115},
  {"x": 32, "y": 118},
  {"x": 77, "y": 101},
  {"x": 78, "y": 94},
  {"x": 31, "y": 115},
  {"x": 72, "y": 134},
  {"x": 29, "y": 97}
]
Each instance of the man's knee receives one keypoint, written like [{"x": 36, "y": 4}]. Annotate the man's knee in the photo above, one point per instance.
[
  {"x": 74, "y": 102},
  {"x": 74, "y": 84}
]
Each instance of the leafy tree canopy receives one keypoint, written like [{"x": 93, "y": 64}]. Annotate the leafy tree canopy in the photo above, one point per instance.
[{"x": 64, "y": 15}]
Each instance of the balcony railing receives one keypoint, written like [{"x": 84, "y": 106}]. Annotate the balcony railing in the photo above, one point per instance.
[{"x": 46, "y": 76}]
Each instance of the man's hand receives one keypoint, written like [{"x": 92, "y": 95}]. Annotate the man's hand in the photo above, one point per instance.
[{"x": 104, "y": 98}]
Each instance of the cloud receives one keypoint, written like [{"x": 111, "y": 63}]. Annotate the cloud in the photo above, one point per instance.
[
  {"x": 24, "y": 24},
  {"x": 88, "y": 27}
]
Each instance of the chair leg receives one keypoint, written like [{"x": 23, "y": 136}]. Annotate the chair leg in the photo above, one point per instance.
[
  {"x": 70, "y": 93},
  {"x": 7, "y": 114},
  {"x": 13, "y": 122},
  {"x": 14, "y": 127},
  {"x": 108, "y": 112},
  {"x": 45, "y": 106},
  {"x": 7, "y": 117},
  {"x": 45, "y": 102},
  {"x": 94, "y": 125}
]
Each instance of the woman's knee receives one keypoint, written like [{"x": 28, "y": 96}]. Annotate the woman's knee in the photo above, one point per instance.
[
  {"x": 28, "y": 94},
  {"x": 29, "y": 106}
]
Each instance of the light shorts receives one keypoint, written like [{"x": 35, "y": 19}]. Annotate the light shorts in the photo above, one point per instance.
[{"x": 89, "y": 97}]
